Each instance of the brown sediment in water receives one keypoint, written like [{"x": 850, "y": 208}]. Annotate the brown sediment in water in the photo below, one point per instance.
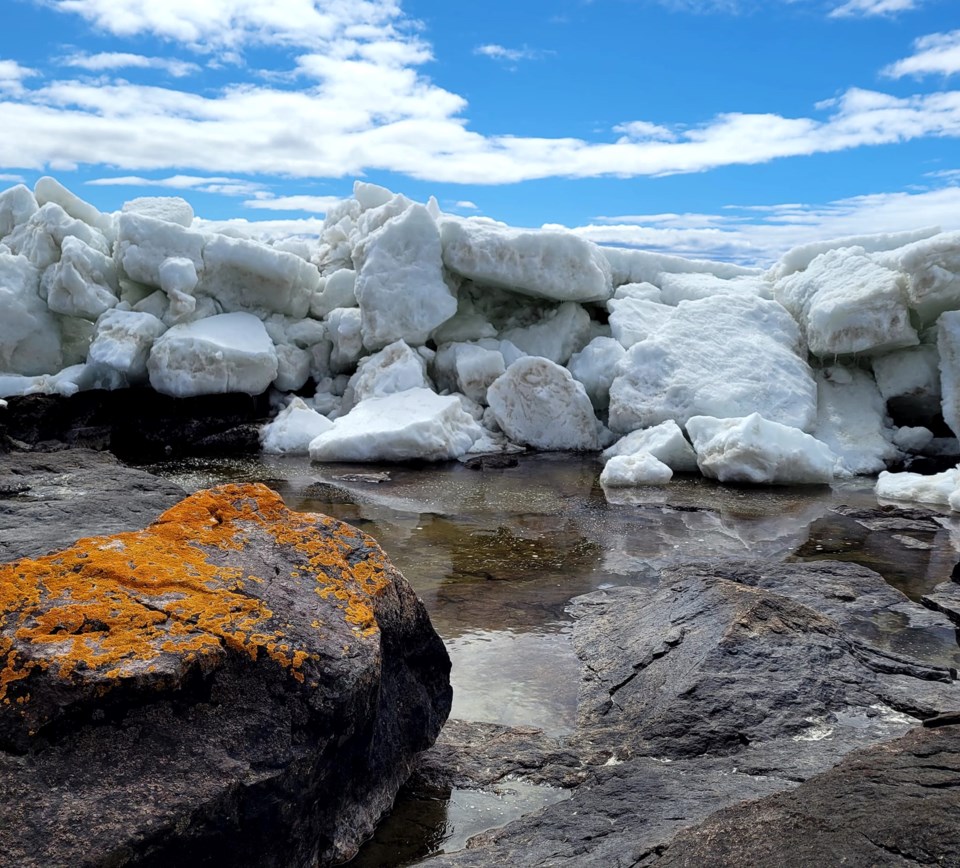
[{"x": 111, "y": 608}]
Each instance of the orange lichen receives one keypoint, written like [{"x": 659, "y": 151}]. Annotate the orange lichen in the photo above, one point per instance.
[{"x": 116, "y": 604}]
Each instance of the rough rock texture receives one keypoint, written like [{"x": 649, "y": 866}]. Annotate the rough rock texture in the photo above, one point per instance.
[
  {"x": 236, "y": 684},
  {"x": 49, "y": 500},
  {"x": 894, "y": 804},
  {"x": 138, "y": 424},
  {"x": 728, "y": 683}
]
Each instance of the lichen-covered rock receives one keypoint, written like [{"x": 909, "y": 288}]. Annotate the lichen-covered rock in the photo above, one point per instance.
[{"x": 236, "y": 684}]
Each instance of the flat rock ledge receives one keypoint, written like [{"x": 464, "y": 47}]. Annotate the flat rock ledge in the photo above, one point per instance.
[
  {"x": 238, "y": 684},
  {"x": 705, "y": 703}
]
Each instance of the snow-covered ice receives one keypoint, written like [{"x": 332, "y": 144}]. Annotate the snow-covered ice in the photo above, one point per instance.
[
  {"x": 758, "y": 451},
  {"x": 293, "y": 429},
  {"x": 637, "y": 468},
  {"x": 941, "y": 489},
  {"x": 416, "y": 424}
]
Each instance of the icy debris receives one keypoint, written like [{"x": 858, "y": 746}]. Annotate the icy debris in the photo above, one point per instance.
[
  {"x": 469, "y": 368},
  {"x": 932, "y": 271},
  {"x": 400, "y": 286},
  {"x": 637, "y": 468},
  {"x": 558, "y": 335},
  {"x": 122, "y": 341},
  {"x": 634, "y": 319},
  {"x": 231, "y": 352},
  {"x": 847, "y": 303},
  {"x": 83, "y": 283},
  {"x": 17, "y": 206},
  {"x": 416, "y": 424},
  {"x": 344, "y": 326},
  {"x": 50, "y": 190},
  {"x": 642, "y": 266},
  {"x": 39, "y": 239},
  {"x": 29, "y": 337},
  {"x": 941, "y": 489},
  {"x": 675, "y": 288},
  {"x": 555, "y": 265},
  {"x": 293, "y": 429},
  {"x": 724, "y": 356},
  {"x": 539, "y": 404},
  {"x": 758, "y": 451},
  {"x": 913, "y": 438},
  {"x": 909, "y": 380},
  {"x": 339, "y": 290},
  {"x": 144, "y": 243},
  {"x": 396, "y": 368},
  {"x": 852, "y": 421},
  {"x": 948, "y": 345},
  {"x": 665, "y": 442}
]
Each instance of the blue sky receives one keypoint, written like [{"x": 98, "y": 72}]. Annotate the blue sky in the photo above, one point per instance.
[{"x": 728, "y": 128}]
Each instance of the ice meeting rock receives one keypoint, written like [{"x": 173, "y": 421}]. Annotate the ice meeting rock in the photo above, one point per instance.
[
  {"x": 293, "y": 429},
  {"x": 724, "y": 356},
  {"x": 847, "y": 303},
  {"x": 404, "y": 426},
  {"x": 539, "y": 404},
  {"x": 400, "y": 285},
  {"x": 545, "y": 264},
  {"x": 231, "y": 352},
  {"x": 758, "y": 451}
]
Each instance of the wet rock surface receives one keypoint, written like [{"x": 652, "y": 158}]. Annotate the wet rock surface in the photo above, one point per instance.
[
  {"x": 136, "y": 424},
  {"x": 49, "y": 500},
  {"x": 726, "y": 684},
  {"x": 236, "y": 684}
]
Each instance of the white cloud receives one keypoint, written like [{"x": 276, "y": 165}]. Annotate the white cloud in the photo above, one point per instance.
[
  {"x": 867, "y": 8},
  {"x": 122, "y": 60},
  {"x": 222, "y": 186},
  {"x": 645, "y": 131},
  {"x": 315, "y": 204},
  {"x": 510, "y": 55},
  {"x": 465, "y": 205},
  {"x": 265, "y": 230},
  {"x": 12, "y": 75},
  {"x": 739, "y": 235},
  {"x": 936, "y": 54},
  {"x": 11, "y": 179}
]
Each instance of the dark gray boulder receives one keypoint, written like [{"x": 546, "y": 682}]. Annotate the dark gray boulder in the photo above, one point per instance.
[{"x": 237, "y": 684}]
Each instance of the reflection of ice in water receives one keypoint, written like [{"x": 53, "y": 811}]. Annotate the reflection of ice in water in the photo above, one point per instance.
[{"x": 518, "y": 679}]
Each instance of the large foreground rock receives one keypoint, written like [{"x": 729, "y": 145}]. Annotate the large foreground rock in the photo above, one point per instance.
[
  {"x": 236, "y": 684},
  {"x": 727, "y": 684}
]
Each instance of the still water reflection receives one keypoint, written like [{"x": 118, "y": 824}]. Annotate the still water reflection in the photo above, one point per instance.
[{"x": 497, "y": 554}]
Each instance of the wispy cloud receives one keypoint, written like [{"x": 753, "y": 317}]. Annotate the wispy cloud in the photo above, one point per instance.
[
  {"x": 311, "y": 204},
  {"x": 12, "y": 76},
  {"x": 121, "y": 60},
  {"x": 869, "y": 8},
  {"x": 199, "y": 184},
  {"x": 936, "y": 54},
  {"x": 509, "y": 55},
  {"x": 645, "y": 131},
  {"x": 465, "y": 205},
  {"x": 760, "y": 234}
]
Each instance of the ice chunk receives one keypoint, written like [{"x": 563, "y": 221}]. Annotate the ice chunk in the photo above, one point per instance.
[
  {"x": 51, "y": 190},
  {"x": 665, "y": 442},
  {"x": 83, "y": 283},
  {"x": 400, "y": 286},
  {"x": 369, "y": 221},
  {"x": 343, "y": 326},
  {"x": 725, "y": 356},
  {"x": 941, "y": 489},
  {"x": 758, "y": 451},
  {"x": 231, "y": 352},
  {"x": 293, "y": 367},
  {"x": 846, "y": 303},
  {"x": 909, "y": 381},
  {"x": 538, "y": 403},
  {"x": 469, "y": 368},
  {"x": 468, "y": 324},
  {"x": 642, "y": 266},
  {"x": 932, "y": 269},
  {"x": 557, "y": 336},
  {"x": 396, "y": 368},
  {"x": 948, "y": 344},
  {"x": 75, "y": 337},
  {"x": 555, "y": 265},
  {"x": 913, "y": 439},
  {"x": 595, "y": 367},
  {"x": 17, "y": 206},
  {"x": 122, "y": 341},
  {"x": 646, "y": 291},
  {"x": 171, "y": 209},
  {"x": 41, "y": 237},
  {"x": 370, "y": 195},
  {"x": 243, "y": 274},
  {"x": 144, "y": 243},
  {"x": 675, "y": 288},
  {"x": 293, "y": 429},
  {"x": 29, "y": 337},
  {"x": 633, "y": 319},
  {"x": 637, "y": 468},
  {"x": 800, "y": 257},
  {"x": 337, "y": 291},
  {"x": 852, "y": 420},
  {"x": 416, "y": 424}
]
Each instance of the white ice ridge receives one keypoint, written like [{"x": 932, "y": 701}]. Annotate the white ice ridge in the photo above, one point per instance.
[{"x": 413, "y": 334}]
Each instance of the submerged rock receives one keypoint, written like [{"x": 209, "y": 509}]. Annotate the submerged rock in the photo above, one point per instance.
[{"x": 238, "y": 683}]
